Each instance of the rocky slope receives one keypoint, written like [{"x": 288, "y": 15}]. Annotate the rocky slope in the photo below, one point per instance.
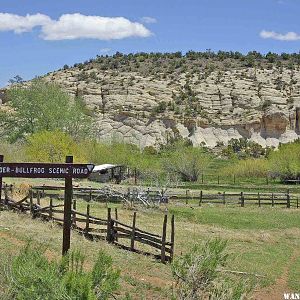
[{"x": 204, "y": 100}]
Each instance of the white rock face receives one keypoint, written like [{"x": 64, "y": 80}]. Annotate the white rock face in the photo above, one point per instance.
[{"x": 245, "y": 102}]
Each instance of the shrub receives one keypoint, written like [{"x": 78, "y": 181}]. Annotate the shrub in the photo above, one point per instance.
[
  {"x": 186, "y": 161},
  {"x": 247, "y": 168},
  {"x": 30, "y": 275},
  {"x": 198, "y": 275},
  {"x": 243, "y": 148},
  {"x": 161, "y": 107},
  {"x": 285, "y": 162}
]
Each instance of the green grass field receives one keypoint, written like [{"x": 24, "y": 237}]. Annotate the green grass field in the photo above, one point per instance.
[{"x": 262, "y": 241}]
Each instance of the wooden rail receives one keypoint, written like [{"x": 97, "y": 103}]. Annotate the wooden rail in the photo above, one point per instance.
[
  {"x": 242, "y": 199},
  {"x": 92, "y": 227}
]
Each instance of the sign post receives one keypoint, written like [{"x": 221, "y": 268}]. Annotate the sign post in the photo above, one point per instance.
[
  {"x": 67, "y": 211},
  {"x": 68, "y": 171},
  {"x": 1, "y": 160}
]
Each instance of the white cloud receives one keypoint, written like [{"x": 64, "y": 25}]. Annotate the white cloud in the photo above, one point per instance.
[
  {"x": 74, "y": 26},
  {"x": 19, "y": 24},
  {"x": 148, "y": 20},
  {"x": 289, "y": 36}
]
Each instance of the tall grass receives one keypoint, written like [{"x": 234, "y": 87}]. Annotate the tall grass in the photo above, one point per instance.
[{"x": 247, "y": 168}]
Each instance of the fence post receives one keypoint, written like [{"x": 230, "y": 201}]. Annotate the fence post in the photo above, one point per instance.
[
  {"x": 224, "y": 202},
  {"x": 186, "y": 197},
  {"x": 135, "y": 176},
  {"x": 130, "y": 198},
  {"x": 5, "y": 195},
  {"x": 297, "y": 202},
  {"x": 258, "y": 195},
  {"x": 133, "y": 232},
  {"x": 200, "y": 199},
  {"x": 1, "y": 160},
  {"x": 202, "y": 178},
  {"x": 31, "y": 202},
  {"x": 116, "y": 217},
  {"x": 90, "y": 195},
  {"x": 163, "y": 240},
  {"x": 87, "y": 222},
  {"x": 242, "y": 199},
  {"x": 288, "y": 199},
  {"x": 74, "y": 213},
  {"x": 109, "y": 229},
  {"x": 272, "y": 199},
  {"x": 172, "y": 238},
  {"x": 50, "y": 208},
  {"x": 38, "y": 197},
  {"x": 218, "y": 179},
  {"x": 67, "y": 210}
]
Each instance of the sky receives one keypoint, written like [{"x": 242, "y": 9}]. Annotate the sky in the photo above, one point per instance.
[{"x": 37, "y": 36}]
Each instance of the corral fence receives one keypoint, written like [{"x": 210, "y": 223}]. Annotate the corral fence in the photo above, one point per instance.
[
  {"x": 132, "y": 196},
  {"x": 110, "y": 229},
  {"x": 148, "y": 178},
  {"x": 242, "y": 199}
]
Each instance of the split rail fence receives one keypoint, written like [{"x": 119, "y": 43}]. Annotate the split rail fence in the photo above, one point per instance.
[
  {"x": 110, "y": 229},
  {"x": 242, "y": 199},
  {"x": 132, "y": 196}
]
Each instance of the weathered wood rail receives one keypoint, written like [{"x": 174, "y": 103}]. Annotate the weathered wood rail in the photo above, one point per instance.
[
  {"x": 242, "y": 199},
  {"x": 132, "y": 196},
  {"x": 110, "y": 229}
]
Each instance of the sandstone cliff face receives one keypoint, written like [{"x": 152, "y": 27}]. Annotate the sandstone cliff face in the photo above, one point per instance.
[{"x": 259, "y": 104}]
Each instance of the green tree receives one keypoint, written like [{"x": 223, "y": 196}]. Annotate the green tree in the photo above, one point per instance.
[
  {"x": 44, "y": 106},
  {"x": 186, "y": 161},
  {"x": 48, "y": 146},
  {"x": 16, "y": 79}
]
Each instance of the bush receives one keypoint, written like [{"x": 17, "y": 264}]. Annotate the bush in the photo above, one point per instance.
[
  {"x": 198, "y": 275},
  {"x": 186, "y": 161},
  {"x": 161, "y": 107},
  {"x": 31, "y": 276},
  {"x": 285, "y": 162},
  {"x": 247, "y": 168},
  {"x": 243, "y": 148}
]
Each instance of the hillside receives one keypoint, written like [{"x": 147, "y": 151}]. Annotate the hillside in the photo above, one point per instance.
[{"x": 209, "y": 98}]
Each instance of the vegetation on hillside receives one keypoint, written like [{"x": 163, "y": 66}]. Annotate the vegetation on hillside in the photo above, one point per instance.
[
  {"x": 45, "y": 124},
  {"x": 172, "y": 64}
]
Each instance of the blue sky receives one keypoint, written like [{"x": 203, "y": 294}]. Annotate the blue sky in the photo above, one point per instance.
[{"x": 63, "y": 32}]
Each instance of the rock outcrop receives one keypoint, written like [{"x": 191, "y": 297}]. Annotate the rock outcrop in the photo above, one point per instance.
[{"x": 262, "y": 105}]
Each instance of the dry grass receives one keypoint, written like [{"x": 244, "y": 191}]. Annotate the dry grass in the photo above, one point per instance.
[{"x": 260, "y": 241}]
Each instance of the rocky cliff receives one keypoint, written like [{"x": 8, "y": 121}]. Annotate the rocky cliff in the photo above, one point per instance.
[{"x": 147, "y": 101}]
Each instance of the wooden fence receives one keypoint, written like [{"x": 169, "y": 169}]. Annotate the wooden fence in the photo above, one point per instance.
[
  {"x": 147, "y": 196},
  {"x": 95, "y": 228},
  {"x": 242, "y": 199}
]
